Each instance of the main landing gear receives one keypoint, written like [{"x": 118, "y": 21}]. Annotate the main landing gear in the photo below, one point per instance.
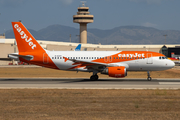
[
  {"x": 94, "y": 77},
  {"x": 149, "y": 76}
]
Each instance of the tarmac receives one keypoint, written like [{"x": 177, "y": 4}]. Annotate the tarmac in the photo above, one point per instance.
[{"x": 85, "y": 83}]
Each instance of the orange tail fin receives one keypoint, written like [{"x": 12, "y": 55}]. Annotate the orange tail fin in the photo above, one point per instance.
[
  {"x": 25, "y": 41},
  {"x": 30, "y": 50}
]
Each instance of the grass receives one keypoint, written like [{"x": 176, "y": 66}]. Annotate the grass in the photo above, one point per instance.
[
  {"x": 37, "y": 104},
  {"x": 66, "y": 104}
]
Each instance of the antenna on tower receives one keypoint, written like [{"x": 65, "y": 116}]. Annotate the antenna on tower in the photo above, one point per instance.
[{"x": 83, "y": 3}]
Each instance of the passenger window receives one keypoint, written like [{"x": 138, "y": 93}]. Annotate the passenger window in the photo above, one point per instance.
[{"x": 81, "y": 57}]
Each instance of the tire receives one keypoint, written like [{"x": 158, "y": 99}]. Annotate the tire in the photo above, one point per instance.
[
  {"x": 94, "y": 77},
  {"x": 149, "y": 78}
]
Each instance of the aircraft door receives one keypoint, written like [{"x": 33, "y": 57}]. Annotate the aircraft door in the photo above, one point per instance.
[
  {"x": 149, "y": 58},
  {"x": 108, "y": 59}
]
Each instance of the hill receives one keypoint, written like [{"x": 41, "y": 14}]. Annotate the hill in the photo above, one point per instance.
[{"x": 118, "y": 35}]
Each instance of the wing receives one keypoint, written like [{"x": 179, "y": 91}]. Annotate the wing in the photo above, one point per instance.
[{"x": 93, "y": 65}]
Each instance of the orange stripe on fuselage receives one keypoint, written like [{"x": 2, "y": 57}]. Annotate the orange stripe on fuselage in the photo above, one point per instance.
[{"x": 127, "y": 56}]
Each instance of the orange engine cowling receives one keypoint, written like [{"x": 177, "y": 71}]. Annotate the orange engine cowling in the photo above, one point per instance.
[{"x": 117, "y": 72}]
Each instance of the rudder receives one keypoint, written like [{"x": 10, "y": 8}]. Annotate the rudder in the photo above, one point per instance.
[{"x": 25, "y": 41}]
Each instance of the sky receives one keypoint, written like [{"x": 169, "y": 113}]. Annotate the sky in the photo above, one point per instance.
[{"x": 108, "y": 14}]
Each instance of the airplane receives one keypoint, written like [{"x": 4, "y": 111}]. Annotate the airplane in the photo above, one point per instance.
[
  {"x": 112, "y": 63},
  {"x": 78, "y": 48}
]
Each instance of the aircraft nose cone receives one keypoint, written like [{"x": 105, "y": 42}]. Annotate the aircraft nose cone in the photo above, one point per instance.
[{"x": 171, "y": 64}]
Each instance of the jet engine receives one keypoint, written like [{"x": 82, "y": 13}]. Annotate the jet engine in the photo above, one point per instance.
[{"x": 117, "y": 72}]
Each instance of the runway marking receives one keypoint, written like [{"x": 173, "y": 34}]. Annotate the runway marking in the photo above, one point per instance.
[{"x": 169, "y": 83}]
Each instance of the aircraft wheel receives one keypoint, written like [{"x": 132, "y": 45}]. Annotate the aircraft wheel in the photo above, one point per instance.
[
  {"x": 149, "y": 78},
  {"x": 94, "y": 77}
]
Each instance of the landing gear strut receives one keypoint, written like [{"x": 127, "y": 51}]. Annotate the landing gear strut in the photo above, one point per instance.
[{"x": 149, "y": 76}]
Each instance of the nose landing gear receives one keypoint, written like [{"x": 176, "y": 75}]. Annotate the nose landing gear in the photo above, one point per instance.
[{"x": 149, "y": 76}]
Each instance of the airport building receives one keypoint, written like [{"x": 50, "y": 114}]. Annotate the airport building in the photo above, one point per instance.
[
  {"x": 8, "y": 46},
  {"x": 83, "y": 17}
]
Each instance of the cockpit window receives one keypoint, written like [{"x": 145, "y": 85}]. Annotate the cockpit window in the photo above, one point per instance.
[{"x": 161, "y": 57}]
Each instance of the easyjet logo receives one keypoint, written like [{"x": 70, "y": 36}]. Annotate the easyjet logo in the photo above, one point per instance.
[
  {"x": 131, "y": 55},
  {"x": 25, "y": 37}
]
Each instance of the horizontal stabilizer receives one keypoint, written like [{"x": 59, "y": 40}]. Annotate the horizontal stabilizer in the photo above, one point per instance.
[
  {"x": 6, "y": 59},
  {"x": 26, "y": 57}
]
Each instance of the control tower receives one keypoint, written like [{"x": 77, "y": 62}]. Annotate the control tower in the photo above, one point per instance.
[{"x": 83, "y": 17}]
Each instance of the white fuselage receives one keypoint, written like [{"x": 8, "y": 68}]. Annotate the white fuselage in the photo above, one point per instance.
[{"x": 131, "y": 64}]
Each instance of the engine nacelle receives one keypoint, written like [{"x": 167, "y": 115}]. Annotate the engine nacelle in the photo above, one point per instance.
[{"x": 117, "y": 72}]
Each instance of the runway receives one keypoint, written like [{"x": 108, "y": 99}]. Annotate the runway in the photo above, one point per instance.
[{"x": 80, "y": 83}]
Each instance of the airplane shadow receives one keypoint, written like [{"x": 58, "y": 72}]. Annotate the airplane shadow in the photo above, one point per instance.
[
  {"x": 117, "y": 80},
  {"x": 76, "y": 80}
]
